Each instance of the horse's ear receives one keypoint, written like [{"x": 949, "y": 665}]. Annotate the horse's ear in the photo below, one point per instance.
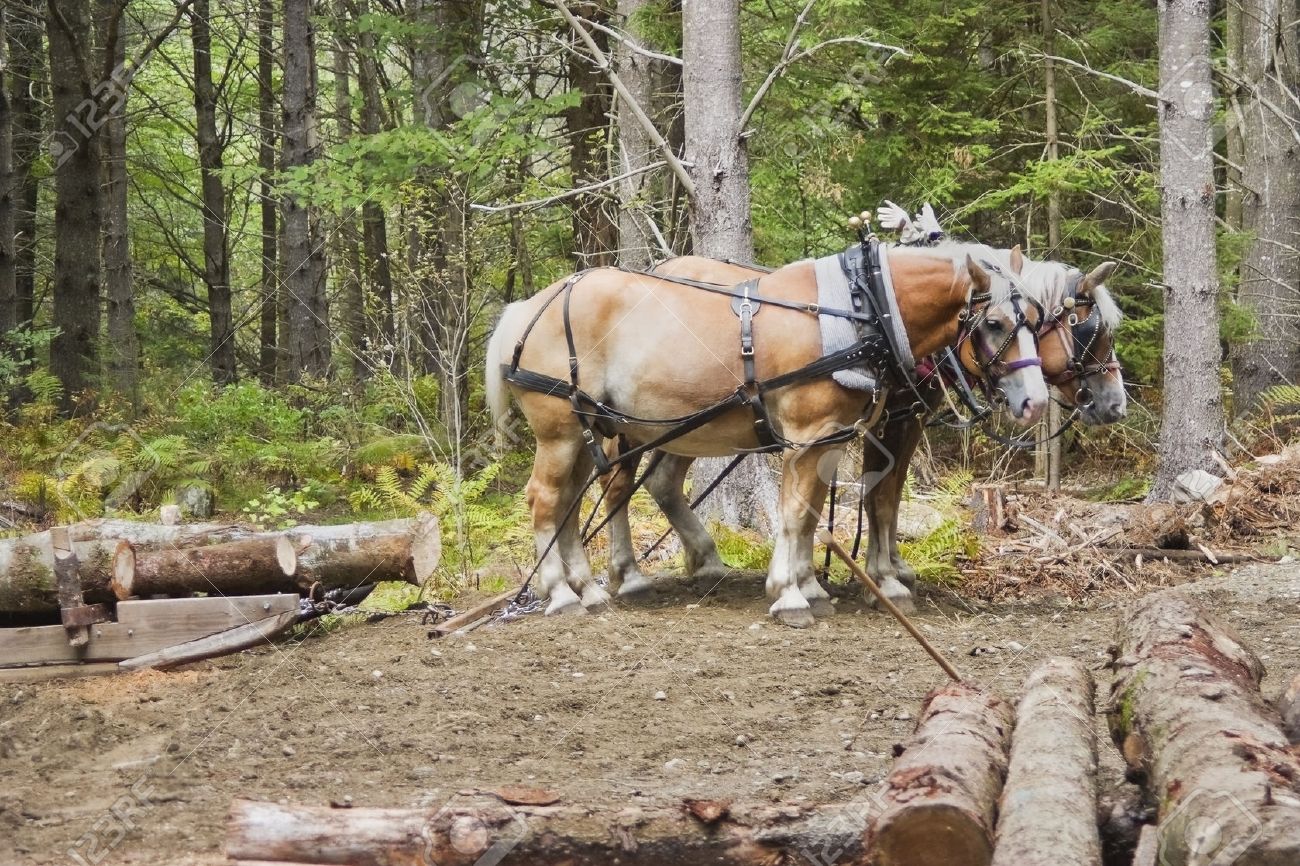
[
  {"x": 1017, "y": 260},
  {"x": 1099, "y": 275},
  {"x": 979, "y": 278}
]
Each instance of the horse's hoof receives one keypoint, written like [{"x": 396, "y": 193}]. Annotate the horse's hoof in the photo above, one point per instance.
[
  {"x": 712, "y": 572},
  {"x": 904, "y": 602},
  {"x": 569, "y": 606},
  {"x": 821, "y": 607},
  {"x": 635, "y": 584},
  {"x": 595, "y": 597},
  {"x": 797, "y": 617}
]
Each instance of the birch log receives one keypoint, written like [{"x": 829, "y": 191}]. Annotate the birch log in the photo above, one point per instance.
[
  {"x": 941, "y": 796},
  {"x": 465, "y": 833},
  {"x": 1048, "y": 813},
  {"x": 1187, "y": 713}
]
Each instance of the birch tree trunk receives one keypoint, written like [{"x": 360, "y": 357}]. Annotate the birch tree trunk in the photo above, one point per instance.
[
  {"x": 307, "y": 343},
  {"x": 268, "y": 286},
  {"x": 1192, "y": 421},
  {"x": 720, "y": 219},
  {"x": 75, "y": 148},
  {"x": 1270, "y": 198},
  {"x": 216, "y": 243}
]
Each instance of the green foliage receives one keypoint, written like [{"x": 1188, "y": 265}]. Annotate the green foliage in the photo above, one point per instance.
[
  {"x": 278, "y": 508},
  {"x": 741, "y": 550}
]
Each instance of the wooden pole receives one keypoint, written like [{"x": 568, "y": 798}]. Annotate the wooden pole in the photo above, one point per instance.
[{"x": 829, "y": 540}]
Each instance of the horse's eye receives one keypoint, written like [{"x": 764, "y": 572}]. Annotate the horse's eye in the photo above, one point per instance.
[{"x": 994, "y": 325}]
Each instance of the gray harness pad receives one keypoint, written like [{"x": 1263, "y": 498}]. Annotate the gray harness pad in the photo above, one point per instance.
[{"x": 838, "y": 333}]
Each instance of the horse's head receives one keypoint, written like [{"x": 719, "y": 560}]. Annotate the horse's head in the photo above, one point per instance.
[
  {"x": 998, "y": 341},
  {"x": 1077, "y": 342}
]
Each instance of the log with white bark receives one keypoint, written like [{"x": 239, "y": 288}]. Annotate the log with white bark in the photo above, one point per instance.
[
  {"x": 465, "y": 833},
  {"x": 1048, "y": 812},
  {"x": 27, "y": 582},
  {"x": 1188, "y": 715},
  {"x": 293, "y": 560},
  {"x": 941, "y": 797},
  {"x": 357, "y": 553}
]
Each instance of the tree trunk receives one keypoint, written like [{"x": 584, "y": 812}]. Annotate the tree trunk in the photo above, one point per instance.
[
  {"x": 1050, "y": 448},
  {"x": 595, "y": 233},
  {"x": 353, "y": 554},
  {"x": 1192, "y": 420},
  {"x": 27, "y": 88},
  {"x": 720, "y": 219},
  {"x": 308, "y": 341},
  {"x": 349, "y": 264},
  {"x": 441, "y": 65},
  {"x": 942, "y": 794},
  {"x": 1048, "y": 814},
  {"x": 486, "y": 830},
  {"x": 79, "y": 202},
  {"x": 268, "y": 290},
  {"x": 1187, "y": 714},
  {"x": 374, "y": 222},
  {"x": 216, "y": 242},
  {"x": 123, "y": 348},
  {"x": 8, "y": 190},
  {"x": 1270, "y": 183},
  {"x": 636, "y": 244}
]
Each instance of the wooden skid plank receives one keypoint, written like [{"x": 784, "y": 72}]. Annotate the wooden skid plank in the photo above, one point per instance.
[
  {"x": 40, "y": 673},
  {"x": 223, "y": 643},
  {"x": 143, "y": 627}
]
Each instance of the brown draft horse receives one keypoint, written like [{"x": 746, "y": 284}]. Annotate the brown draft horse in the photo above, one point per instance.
[
  {"x": 1077, "y": 350},
  {"x": 652, "y": 349}
]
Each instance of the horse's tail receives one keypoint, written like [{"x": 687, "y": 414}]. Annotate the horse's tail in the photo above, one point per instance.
[{"x": 498, "y": 396}]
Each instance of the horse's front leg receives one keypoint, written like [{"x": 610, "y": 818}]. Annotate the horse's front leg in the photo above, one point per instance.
[
  {"x": 803, "y": 491},
  {"x": 666, "y": 484},
  {"x": 903, "y": 457}
]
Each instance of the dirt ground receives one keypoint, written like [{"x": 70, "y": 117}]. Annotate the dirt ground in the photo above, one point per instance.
[{"x": 675, "y": 696}]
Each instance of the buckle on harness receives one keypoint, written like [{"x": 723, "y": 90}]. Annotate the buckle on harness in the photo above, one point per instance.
[{"x": 746, "y": 351}]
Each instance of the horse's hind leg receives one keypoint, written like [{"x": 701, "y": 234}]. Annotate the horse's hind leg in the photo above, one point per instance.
[
  {"x": 576, "y": 561},
  {"x": 625, "y": 578},
  {"x": 550, "y": 491},
  {"x": 666, "y": 485}
]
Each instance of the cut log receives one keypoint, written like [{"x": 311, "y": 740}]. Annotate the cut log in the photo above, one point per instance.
[
  {"x": 1048, "y": 812},
  {"x": 258, "y": 564},
  {"x": 988, "y": 504},
  {"x": 1187, "y": 713},
  {"x": 357, "y": 553},
  {"x": 1288, "y": 704},
  {"x": 487, "y": 830},
  {"x": 27, "y": 580},
  {"x": 223, "y": 643},
  {"x": 941, "y": 796}
]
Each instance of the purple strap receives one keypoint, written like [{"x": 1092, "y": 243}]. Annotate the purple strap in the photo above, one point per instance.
[{"x": 1022, "y": 363}]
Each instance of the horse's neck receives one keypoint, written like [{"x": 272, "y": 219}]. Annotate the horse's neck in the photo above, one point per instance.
[{"x": 930, "y": 296}]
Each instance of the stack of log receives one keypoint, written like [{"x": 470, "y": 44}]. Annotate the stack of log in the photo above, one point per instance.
[
  {"x": 119, "y": 559},
  {"x": 976, "y": 784}
]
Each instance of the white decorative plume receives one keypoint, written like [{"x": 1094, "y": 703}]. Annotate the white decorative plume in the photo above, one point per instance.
[
  {"x": 923, "y": 229},
  {"x": 929, "y": 224}
]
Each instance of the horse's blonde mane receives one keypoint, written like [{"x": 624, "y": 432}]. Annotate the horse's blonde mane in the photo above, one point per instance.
[{"x": 1045, "y": 282}]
